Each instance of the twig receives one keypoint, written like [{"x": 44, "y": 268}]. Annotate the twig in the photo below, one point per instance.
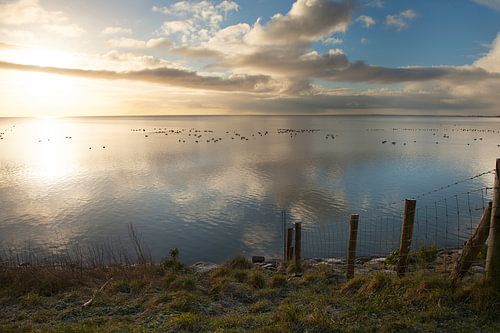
[{"x": 95, "y": 293}]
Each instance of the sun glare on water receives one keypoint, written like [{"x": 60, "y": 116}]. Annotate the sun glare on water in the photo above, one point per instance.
[{"x": 51, "y": 157}]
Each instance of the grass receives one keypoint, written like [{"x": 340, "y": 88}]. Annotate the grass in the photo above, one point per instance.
[{"x": 241, "y": 297}]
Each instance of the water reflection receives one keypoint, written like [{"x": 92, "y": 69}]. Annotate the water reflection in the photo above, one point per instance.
[{"x": 216, "y": 199}]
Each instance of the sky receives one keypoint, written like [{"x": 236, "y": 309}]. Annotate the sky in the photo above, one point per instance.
[{"x": 237, "y": 57}]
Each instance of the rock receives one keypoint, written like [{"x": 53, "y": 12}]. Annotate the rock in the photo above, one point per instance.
[
  {"x": 203, "y": 267},
  {"x": 477, "y": 269},
  {"x": 270, "y": 266},
  {"x": 335, "y": 260},
  {"x": 376, "y": 262},
  {"x": 256, "y": 259},
  {"x": 389, "y": 271}
]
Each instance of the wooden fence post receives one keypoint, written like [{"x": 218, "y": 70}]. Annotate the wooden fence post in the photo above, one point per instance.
[
  {"x": 298, "y": 245},
  {"x": 493, "y": 254},
  {"x": 283, "y": 224},
  {"x": 406, "y": 235},
  {"x": 351, "y": 253},
  {"x": 289, "y": 247},
  {"x": 472, "y": 248}
]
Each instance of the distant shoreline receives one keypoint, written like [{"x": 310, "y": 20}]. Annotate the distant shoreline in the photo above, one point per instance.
[{"x": 255, "y": 115}]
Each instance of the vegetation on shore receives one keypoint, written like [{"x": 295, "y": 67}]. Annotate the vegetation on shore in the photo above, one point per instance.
[{"x": 239, "y": 296}]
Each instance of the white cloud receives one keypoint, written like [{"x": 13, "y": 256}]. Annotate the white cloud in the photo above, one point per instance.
[
  {"x": 493, "y": 4},
  {"x": 158, "y": 43},
  {"x": 131, "y": 43},
  {"x": 375, "y": 3},
  {"x": 228, "y": 6},
  {"x": 66, "y": 30},
  {"x": 127, "y": 43},
  {"x": 23, "y": 36},
  {"x": 366, "y": 21},
  {"x": 172, "y": 27},
  {"x": 116, "y": 31},
  {"x": 364, "y": 41},
  {"x": 229, "y": 40},
  {"x": 197, "y": 21},
  {"x": 24, "y": 12},
  {"x": 307, "y": 20},
  {"x": 401, "y": 21},
  {"x": 491, "y": 61},
  {"x": 332, "y": 41}
]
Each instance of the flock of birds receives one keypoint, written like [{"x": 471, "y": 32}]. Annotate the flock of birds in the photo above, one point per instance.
[
  {"x": 445, "y": 136},
  {"x": 8, "y": 129},
  {"x": 197, "y": 135},
  {"x": 194, "y": 135}
]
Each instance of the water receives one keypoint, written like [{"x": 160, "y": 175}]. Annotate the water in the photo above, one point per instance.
[{"x": 213, "y": 200}]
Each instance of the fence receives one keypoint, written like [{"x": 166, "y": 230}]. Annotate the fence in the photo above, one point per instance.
[{"x": 446, "y": 222}]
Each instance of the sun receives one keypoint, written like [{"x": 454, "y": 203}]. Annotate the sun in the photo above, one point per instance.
[
  {"x": 42, "y": 93},
  {"x": 40, "y": 57}
]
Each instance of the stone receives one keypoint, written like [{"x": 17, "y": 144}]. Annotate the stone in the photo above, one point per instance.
[
  {"x": 257, "y": 259},
  {"x": 203, "y": 267},
  {"x": 334, "y": 260},
  {"x": 477, "y": 269}
]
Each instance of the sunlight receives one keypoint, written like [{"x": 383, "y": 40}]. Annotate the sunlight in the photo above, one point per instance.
[
  {"x": 52, "y": 157},
  {"x": 40, "y": 57},
  {"x": 44, "y": 94}
]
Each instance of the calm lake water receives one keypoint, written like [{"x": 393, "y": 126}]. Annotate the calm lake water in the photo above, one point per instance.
[{"x": 84, "y": 180}]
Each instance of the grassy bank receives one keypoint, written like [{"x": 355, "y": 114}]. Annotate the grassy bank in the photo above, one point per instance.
[{"x": 238, "y": 296}]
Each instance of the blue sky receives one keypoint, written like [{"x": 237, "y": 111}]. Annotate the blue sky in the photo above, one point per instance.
[{"x": 327, "y": 56}]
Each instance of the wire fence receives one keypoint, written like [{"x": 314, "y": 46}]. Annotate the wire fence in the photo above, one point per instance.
[{"x": 445, "y": 222}]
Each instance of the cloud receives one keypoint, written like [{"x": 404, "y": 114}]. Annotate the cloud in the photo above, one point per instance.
[
  {"x": 24, "y": 12},
  {"x": 160, "y": 75},
  {"x": 127, "y": 43},
  {"x": 7, "y": 46},
  {"x": 361, "y": 72},
  {"x": 335, "y": 66},
  {"x": 132, "y": 61},
  {"x": 229, "y": 40},
  {"x": 375, "y": 3},
  {"x": 66, "y": 30},
  {"x": 131, "y": 43},
  {"x": 228, "y": 6},
  {"x": 284, "y": 62},
  {"x": 194, "y": 21},
  {"x": 400, "y": 21},
  {"x": 332, "y": 41},
  {"x": 116, "y": 31},
  {"x": 491, "y": 61},
  {"x": 366, "y": 21},
  {"x": 493, "y": 4},
  {"x": 195, "y": 52},
  {"x": 156, "y": 43},
  {"x": 307, "y": 20},
  {"x": 172, "y": 27}
]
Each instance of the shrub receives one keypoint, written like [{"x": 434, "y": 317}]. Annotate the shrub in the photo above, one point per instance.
[
  {"x": 183, "y": 282},
  {"x": 278, "y": 280},
  {"x": 172, "y": 264},
  {"x": 257, "y": 280},
  {"x": 426, "y": 254},
  {"x": 121, "y": 286},
  {"x": 239, "y": 262},
  {"x": 240, "y": 275},
  {"x": 393, "y": 257}
]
